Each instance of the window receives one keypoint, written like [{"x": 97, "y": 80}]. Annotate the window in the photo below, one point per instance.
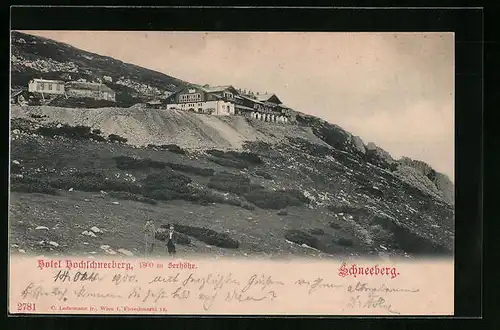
[
  {"x": 50, "y": 87},
  {"x": 58, "y": 87},
  {"x": 190, "y": 97},
  {"x": 42, "y": 86},
  {"x": 38, "y": 87}
]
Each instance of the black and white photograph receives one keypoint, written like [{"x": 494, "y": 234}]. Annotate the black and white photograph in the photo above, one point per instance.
[{"x": 270, "y": 145}]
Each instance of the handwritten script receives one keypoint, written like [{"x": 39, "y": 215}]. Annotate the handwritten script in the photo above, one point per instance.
[{"x": 163, "y": 291}]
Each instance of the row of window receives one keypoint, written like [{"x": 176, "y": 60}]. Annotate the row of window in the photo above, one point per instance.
[
  {"x": 191, "y": 104},
  {"x": 190, "y": 97},
  {"x": 41, "y": 86}
]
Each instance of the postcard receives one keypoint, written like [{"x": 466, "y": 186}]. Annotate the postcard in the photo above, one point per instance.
[{"x": 231, "y": 173}]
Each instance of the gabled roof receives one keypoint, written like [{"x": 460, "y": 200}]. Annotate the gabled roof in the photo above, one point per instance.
[
  {"x": 208, "y": 89},
  {"x": 48, "y": 81},
  {"x": 269, "y": 98},
  {"x": 284, "y": 106},
  {"x": 215, "y": 89},
  {"x": 251, "y": 99}
]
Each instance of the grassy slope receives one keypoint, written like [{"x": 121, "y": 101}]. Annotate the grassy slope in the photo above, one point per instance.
[
  {"x": 327, "y": 179},
  {"x": 73, "y": 212}
]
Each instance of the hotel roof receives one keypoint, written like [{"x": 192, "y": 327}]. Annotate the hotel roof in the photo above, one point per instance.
[{"x": 48, "y": 81}]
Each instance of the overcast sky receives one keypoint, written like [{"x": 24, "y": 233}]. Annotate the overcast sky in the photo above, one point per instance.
[{"x": 394, "y": 89}]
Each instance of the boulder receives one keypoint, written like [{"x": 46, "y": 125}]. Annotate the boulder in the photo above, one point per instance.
[
  {"x": 108, "y": 249},
  {"x": 96, "y": 230},
  {"x": 316, "y": 231},
  {"x": 300, "y": 237},
  {"x": 89, "y": 233},
  {"x": 358, "y": 144},
  {"x": 126, "y": 252},
  {"x": 378, "y": 156}
]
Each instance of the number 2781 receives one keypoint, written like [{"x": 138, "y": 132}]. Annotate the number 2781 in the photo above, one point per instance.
[{"x": 26, "y": 307}]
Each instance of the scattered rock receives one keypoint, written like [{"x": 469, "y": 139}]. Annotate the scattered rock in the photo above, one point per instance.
[
  {"x": 125, "y": 252},
  {"x": 316, "y": 231},
  {"x": 22, "y": 251},
  {"x": 116, "y": 203},
  {"x": 283, "y": 212},
  {"x": 14, "y": 245},
  {"x": 16, "y": 162},
  {"x": 16, "y": 131},
  {"x": 344, "y": 241},
  {"x": 41, "y": 227},
  {"x": 108, "y": 249},
  {"x": 89, "y": 233},
  {"x": 54, "y": 243},
  {"x": 96, "y": 230},
  {"x": 300, "y": 237},
  {"x": 70, "y": 189},
  {"x": 334, "y": 225}
]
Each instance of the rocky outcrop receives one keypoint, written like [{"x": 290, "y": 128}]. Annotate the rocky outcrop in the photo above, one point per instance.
[
  {"x": 378, "y": 156},
  {"x": 43, "y": 65},
  {"x": 414, "y": 177},
  {"x": 425, "y": 177},
  {"x": 144, "y": 89},
  {"x": 446, "y": 187},
  {"x": 424, "y": 168},
  {"x": 358, "y": 144},
  {"x": 332, "y": 134}
]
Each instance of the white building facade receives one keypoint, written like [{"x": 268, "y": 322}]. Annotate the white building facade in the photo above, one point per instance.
[
  {"x": 46, "y": 86},
  {"x": 218, "y": 101},
  {"x": 217, "y": 108}
]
